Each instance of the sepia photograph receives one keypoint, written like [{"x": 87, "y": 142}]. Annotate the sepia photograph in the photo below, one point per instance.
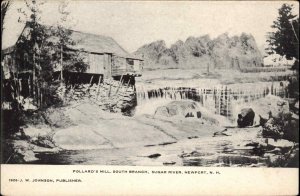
[{"x": 150, "y": 83}]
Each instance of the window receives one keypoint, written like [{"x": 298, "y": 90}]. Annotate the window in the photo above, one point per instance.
[{"x": 130, "y": 61}]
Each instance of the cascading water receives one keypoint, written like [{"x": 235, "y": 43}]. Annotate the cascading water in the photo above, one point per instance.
[{"x": 218, "y": 99}]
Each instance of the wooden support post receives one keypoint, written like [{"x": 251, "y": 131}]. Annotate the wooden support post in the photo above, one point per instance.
[
  {"x": 20, "y": 85},
  {"x": 33, "y": 79},
  {"x": 226, "y": 100},
  {"x": 61, "y": 63},
  {"x": 12, "y": 90},
  {"x": 29, "y": 87},
  {"x": 127, "y": 86},
  {"x": 16, "y": 88},
  {"x": 98, "y": 88},
  {"x": 204, "y": 97},
  {"x": 41, "y": 96},
  {"x": 219, "y": 97},
  {"x": 37, "y": 96},
  {"x": 19, "y": 89},
  {"x": 120, "y": 83},
  {"x": 89, "y": 84},
  {"x": 109, "y": 90},
  {"x": 91, "y": 80}
]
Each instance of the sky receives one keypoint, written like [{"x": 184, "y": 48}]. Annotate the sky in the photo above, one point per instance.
[{"x": 135, "y": 23}]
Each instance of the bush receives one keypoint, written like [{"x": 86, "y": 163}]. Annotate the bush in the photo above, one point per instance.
[
  {"x": 283, "y": 127},
  {"x": 12, "y": 119}
]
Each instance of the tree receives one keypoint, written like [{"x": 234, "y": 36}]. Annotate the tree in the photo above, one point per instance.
[
  {"x": 4, "y": 8},
  {"x": 69, "y": 60},
  {"x": 34, "y": 49},
  {"x": 285, "y": 38},
  {"x": 36, "y": 43},
  {"x": 48, "y": 46}
]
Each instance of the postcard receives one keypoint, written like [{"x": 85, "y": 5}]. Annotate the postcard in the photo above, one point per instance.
[{"x": 149, "y": 97}]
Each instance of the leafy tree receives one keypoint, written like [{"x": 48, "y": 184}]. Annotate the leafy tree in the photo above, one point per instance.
[
  {"x": 34, "y": 49},
  {"x": 35, "y": 43},
  {"x": 285, "y": 38},
  {"x": 70, "y": 60},
  {"x": 50, "y": 45},
  {"x": 47, "y": 47},
  {"x": 4, "y": 8}
]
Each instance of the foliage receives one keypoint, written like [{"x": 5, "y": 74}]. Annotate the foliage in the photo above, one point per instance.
[
  {"x": 71, "y": 60},
  {"x": 48, "y": 46},
  {"x": 35, "y": 43},
  {"x": 12, "y": 119},
  {"x": 282, "y": 127},
  {"x": 45, "y": 49},
  {"x": 285, "y": 38},
  {"x": 4, "y": 8}
]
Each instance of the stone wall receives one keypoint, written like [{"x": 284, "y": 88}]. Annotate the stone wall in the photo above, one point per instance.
[{"x": 110, "y": 95}]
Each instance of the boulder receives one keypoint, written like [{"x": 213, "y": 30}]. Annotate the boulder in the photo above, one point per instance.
[
  {"x": 56, "y": 117},
  {"x": 272, "y": 129},
  {"x": 153, "y": 156},
  {"x": 169, "y": 163},
  {"x": 179, "y": 108},
  {"x": 245, "y": 117}
]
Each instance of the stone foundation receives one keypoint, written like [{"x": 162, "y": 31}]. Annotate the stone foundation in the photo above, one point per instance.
[{"x": 110, "y": 95}]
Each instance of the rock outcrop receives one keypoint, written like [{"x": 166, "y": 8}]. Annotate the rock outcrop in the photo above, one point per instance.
[
  {"x": 201, "y": 52},
  {"x": 275, "y": 118},
  {"x": 179, "y": 108}
]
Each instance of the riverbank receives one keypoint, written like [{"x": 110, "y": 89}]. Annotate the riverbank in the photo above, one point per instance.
[
  {"x": 84, "y": 134},
  {"x": 242, "y": 149},
  {"x": 98, "y": 124}
]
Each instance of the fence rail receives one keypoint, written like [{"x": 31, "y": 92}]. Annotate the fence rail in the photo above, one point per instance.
[{"x": 263, "y": 69}]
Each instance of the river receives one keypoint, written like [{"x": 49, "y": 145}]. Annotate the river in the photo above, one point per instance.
[{"x": 200, "y": 149}]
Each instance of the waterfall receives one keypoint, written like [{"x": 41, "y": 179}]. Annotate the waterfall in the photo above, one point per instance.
[{"x": 218, "y": 99}]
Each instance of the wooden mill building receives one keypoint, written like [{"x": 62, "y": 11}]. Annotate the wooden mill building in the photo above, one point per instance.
[{"x": 102, "y": 54}]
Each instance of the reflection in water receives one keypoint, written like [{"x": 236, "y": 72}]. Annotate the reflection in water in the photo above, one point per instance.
[
  {"x": 206, "y": 154},
  {"x": 226, "y": 161}
]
